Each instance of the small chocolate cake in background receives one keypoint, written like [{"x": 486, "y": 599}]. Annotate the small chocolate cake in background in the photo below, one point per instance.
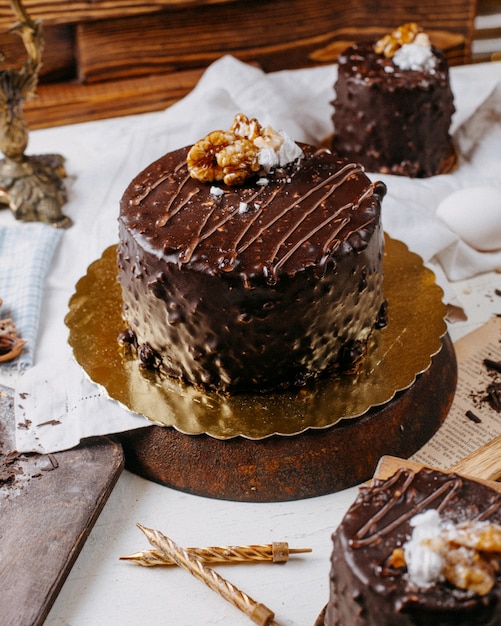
[
  {"x": 393, "y": 105},
  {"x": 250, "y": 263},
  {"x": 418, "y": 549}
]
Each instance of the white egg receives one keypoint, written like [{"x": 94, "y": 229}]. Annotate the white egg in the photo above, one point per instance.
[{"x": 474, "y": 214}]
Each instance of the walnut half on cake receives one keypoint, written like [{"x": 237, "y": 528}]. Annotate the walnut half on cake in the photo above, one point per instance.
[{"x": 250, "y": 263}]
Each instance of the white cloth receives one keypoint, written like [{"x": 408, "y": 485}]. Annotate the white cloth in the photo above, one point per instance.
[{"x": 103, "y": 157}]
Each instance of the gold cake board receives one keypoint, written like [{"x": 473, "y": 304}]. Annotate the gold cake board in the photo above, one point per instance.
[
  {"x": 286, "y": 446},
  {"x": 312, "y": 463}
]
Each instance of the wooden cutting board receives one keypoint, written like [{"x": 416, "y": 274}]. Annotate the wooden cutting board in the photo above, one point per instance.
[
  {"x": 483, "y": 465},
  {"x": 48, "y": 505}
]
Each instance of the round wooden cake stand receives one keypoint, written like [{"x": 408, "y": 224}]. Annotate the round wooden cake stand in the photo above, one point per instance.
[{"x": 312, "y": 463}]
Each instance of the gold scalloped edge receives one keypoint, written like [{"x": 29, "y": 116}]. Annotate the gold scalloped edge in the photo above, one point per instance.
[{"x": 401, "y": 351}]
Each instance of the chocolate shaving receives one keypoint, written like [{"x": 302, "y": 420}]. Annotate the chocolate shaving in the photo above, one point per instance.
[
  {"x": 53, "y": 461},
  {"x": 17, "y": 469},
  {"x": 53, "y": 422},
  {"x": 474, "y": 418},
  {"x": 9, "y": 468},
  {"x": 494, "y": 396},
  {"x": 493, "y": 365},
  {"x": 6, "y": 476}
]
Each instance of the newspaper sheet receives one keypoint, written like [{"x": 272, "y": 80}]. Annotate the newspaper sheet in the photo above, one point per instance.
[{"x": 475, "y": 414}]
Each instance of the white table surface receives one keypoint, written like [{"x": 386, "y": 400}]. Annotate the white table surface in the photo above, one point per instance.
[{"x": 101, "y": 589}]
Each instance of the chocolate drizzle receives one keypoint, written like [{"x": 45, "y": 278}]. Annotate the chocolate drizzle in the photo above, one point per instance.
[
  {"x": 241, "y": 237},
  {"x": 442, "y": 495}
]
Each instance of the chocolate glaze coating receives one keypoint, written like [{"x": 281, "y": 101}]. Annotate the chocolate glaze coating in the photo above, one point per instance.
[
  {"x": 392, "y": 121},
  {"x": 262, "y": 287},
  {"x": 365, "y": 590}
]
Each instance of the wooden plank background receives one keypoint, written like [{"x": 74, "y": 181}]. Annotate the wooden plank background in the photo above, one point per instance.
[
  {"x": 115, "y": 57},
  {"x": 71, "y": 11}
]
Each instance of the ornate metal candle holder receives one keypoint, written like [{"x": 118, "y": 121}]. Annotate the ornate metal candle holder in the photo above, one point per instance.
[{"x": 31, "y": 186}]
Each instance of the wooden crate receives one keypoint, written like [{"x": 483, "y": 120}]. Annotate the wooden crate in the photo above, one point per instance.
[
  {"x": 487, "y": 32},
  {"x": 115, "y": 57}
]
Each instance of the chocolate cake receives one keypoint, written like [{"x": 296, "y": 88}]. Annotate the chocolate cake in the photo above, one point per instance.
[
  {"x": 420, "y": 548},
  {"x": 393, "y": 105},
  {"x": 248, "y": 262}
]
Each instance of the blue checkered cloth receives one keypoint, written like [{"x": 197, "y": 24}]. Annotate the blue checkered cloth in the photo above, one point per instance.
[{"x": 26, "y": 251}]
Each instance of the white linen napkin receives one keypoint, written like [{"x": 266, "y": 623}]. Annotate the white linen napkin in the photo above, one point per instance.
[
  {"x": 56, "y": 406},
  {"x": 26, "y": 252},
  {"x": 479, "y": 143}
]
